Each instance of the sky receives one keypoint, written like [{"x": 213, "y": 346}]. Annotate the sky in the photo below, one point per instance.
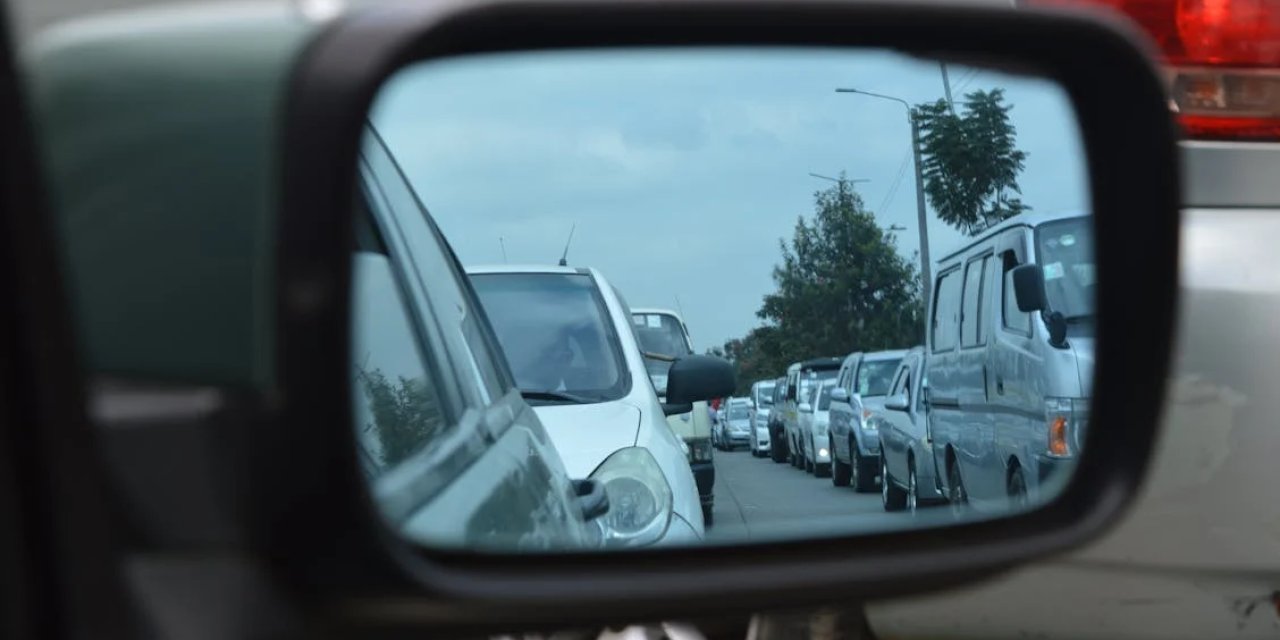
[{"x": 681, "y": 168}]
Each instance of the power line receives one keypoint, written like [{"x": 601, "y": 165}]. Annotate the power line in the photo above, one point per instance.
[
  {"x": 969, "y": 77},
  {"x": 897, "y": 182}
]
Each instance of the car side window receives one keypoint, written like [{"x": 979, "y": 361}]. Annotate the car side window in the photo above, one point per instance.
[
  {"x": 1012, "y": 318},
  {"x": 397, "y": 403},
  {"x": 456, "y": 311},
  {"x": 945, "y": 323}
]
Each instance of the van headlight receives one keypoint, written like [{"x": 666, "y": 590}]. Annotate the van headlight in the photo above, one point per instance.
[
  {"x": 639, "y": 499},
  {"x": 1066, "y": 420}
]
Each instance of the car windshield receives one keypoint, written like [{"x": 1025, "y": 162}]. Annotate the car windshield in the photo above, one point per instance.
[
  {"x": 661, "y": 334},
  {"x": 813, "y": 377},
  {"x": 554, "y": 330},
  {"x": 738, "y": 412},
  {"x": 875, "y": 376},
  {"x": 824, "y": 398},
  {"x": 1065, "y": 250}
]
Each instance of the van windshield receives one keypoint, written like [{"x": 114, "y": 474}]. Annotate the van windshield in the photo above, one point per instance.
[
  {"x": 661, "y": 334},
  {"x": 1065, "y": 250},
  {"x": 766, "y": 395}
]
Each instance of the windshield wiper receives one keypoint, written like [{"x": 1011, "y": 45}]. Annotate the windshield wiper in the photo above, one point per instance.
[{"x": 554, "y": 396}]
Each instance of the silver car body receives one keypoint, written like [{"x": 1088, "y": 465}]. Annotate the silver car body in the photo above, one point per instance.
[
  {"x": 736, "y": 431},
  {"x": 800, "y": 378},
  {"x": 585, "y": 434},
  {"x": 814, "y": 422},
  {"x": 906, "y": 444},
  {"x": 849, "y": 426},
  {"x": 761, "y": 397},
  {"x": 995, "y": 381}
]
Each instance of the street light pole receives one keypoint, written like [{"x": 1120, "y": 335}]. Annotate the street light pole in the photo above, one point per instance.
[
  {"x": 926, "y": 276},
  {"x": 837, "y": 180}
]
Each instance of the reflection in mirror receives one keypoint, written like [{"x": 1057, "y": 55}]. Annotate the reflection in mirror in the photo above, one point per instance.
[{"x": 829, "y": 225}]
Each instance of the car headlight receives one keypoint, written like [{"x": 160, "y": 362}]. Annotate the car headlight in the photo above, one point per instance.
[
  {"x": 867, "y": 424},
  {"x": 700, "y": 450},
  {"x": 639, "y": 499}
]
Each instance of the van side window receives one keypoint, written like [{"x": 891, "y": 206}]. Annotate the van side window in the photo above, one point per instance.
[
  {"x": 945, "y": 323},
  {"x": 1013, "y": 319},
  {"x": 970, "y": 321}
]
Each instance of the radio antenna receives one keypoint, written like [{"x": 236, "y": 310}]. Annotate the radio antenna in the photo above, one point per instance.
[
  {"x": 564, "y": 257},
  {"x": 503, "y": 244},
  {"x": 679, "y": 307}
]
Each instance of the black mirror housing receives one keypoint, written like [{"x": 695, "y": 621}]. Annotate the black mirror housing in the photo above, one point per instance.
[
  {"x": 698, "y": 378},
  {"x": 1028, "y": 287}
]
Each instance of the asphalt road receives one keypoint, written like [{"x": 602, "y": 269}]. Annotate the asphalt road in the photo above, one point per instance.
[{"x": 758, "y": 499}]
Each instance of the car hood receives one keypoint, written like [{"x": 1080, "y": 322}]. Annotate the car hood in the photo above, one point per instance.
[{"x": 585, "y": 434}]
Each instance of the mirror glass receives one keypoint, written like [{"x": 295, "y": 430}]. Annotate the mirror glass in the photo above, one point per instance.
[{"x": 636, "y": 276}]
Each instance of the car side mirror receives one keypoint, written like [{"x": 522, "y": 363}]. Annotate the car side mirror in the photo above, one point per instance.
[
  {"x": 839, "y": 395},
  {"x": 696, "y": 378},
  {"x": 897, "y": 402},
  {"x": 1028, "y": 287},
  {"x": 805, "y": 407}
]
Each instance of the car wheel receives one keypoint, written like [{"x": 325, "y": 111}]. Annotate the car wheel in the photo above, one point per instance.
[
  {"x": 892, "y": 496},
  {"x": 956, "y": 495},
  {"x": 864, "y": 469},
  {"x": 1017, "y": 487},
  {"x": 840, "y": 471},
  {"x": 776, "y": 450},
  {"x": 912, "y": 494}
]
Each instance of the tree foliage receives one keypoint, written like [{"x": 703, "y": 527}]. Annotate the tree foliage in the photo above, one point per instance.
[
  {"x": 841, "y": 287},
  {"x": 970, "y": 161}
]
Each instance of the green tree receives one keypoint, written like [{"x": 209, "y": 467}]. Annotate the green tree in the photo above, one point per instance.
[
  {"x": 841, "y": 287},
  {"x": 970, "y": 161}
]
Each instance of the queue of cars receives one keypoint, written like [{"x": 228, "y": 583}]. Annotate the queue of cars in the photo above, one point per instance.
[{"x": 990, "y": 412}]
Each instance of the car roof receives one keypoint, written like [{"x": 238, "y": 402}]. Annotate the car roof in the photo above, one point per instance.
[
  {"x": 657, "y": 311},
  {"x": 1031, "y": 220},
  {"x": 485, "y": 269},
  {"x": 821, "y": 363},
  {"x": 895, "y": 354}
]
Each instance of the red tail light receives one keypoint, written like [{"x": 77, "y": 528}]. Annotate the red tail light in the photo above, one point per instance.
[{"x": 1223, "y": 58}]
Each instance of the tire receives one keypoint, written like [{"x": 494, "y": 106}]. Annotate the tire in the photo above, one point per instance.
[
  {"x": 956, "y": 495},
  {"x": 893, "y": 497},
  {"x": 913, "y": 489},
  {"x": 1017, "y": 489},
  {"x": 840, "y": 472},
  {"x": 864, "y": 469},
  {"x": 776, "y": 451}
]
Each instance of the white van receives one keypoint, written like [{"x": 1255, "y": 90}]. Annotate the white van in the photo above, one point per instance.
[
  {"x": 1010, "y": 346},
  {"x": 663, "y": 332},
  {"x": 801, "y": 378}
]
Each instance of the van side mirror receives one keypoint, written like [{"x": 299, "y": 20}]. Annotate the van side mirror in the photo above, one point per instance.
[
  {"x": 897, "y": 402},
  {"x": 696, "y": 378},
  {"x": 1028, "y": 287},
  {"x": 839, "y": 394}
]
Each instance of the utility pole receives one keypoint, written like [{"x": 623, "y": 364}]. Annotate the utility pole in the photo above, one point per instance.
[
  {"x": 926, "y": 278},
  {"x": 922, "y": 219},
  {"x": 946, "y": 85}
]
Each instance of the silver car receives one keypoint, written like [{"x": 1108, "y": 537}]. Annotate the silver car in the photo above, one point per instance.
[
  {"x": 907, "y": 470},
  {"x": 860, "y": 389},
  {"x": 761, "y": 398}
]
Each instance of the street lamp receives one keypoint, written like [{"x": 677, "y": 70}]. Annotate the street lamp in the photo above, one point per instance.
[
  {"x": 925, "y": 275},
  {"x": 829, "y": 178}
]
